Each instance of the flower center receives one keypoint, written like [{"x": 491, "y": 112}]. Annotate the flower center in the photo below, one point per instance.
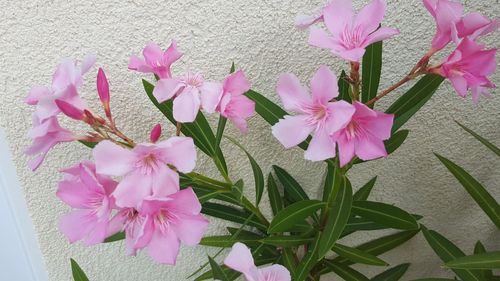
[
  {"x": 148, "y": 164},
  {"x": 318, "y": 113},
  {"x": 353, "y": 130},
  {"x": 352, "y": 38},
  {"x": 164, "y": 219},
  {"x": 193, "y": 80}
]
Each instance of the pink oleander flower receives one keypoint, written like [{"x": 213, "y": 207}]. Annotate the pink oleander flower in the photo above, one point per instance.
[
  {"x": 161, "y": 224},
  {"x": 156, "y": 60},
  {"x": 65, "y": 83},
  {"x": 231, "y": 102},
  {"x": 305, "y": 21},
  {"x": 350, "y": 33},
  {"x": 452, "y": 25},
  {"x": 186, "y": 93},
  {"x": 90, "y": 194},
  {"x": 364, "y": 135},
  {"x": 468, "y": 68},
  {"x": 145, "y": 168},
  {"x": 318, "y": 114},
  {"x": 240, "y": 259},
  {"x": 45, "y": 135}
]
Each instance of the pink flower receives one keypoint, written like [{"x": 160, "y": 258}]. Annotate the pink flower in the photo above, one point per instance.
[
  {"x": 231, "y": 102},
  {"x": 186, "y": 93},
  {"x": 351, "y": 33},
  {"x": 452, "y": 25},
  {"x": 145, "y": 168},
  {"x": 240, "y": 259},
  {"x": 364, "y": 135},
  {"x": 161, "y": 224},
  {"x": 317, "y": 114},
  {"x": 468, "y": 67},
  {"x": 45, "y": 135},
  {"x": 155, "y": 60},
  {"x": 90, "y": 194},
  {"x": 65, "y": 83}
]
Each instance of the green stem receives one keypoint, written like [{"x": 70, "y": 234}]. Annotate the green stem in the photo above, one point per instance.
[{"x": 250, "y": 207}]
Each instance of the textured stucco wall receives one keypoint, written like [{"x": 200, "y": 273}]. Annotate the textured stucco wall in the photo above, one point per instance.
[{"x": 260, "y": 37}]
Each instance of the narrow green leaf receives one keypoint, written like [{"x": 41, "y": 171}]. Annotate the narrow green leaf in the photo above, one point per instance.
[
  {"x": 337, "y": 218},
  {"x": 294, "y": 214},
  {"x": 88, "y": 143},
  {"x": 345, "y": 272},
  {"x": 217, "y": 271},
  {"x": 484, "y": 141},
  {"x": 408, "y": 104},
  {"x": 489, "y": 205},
  {"x": 290, "y": 261},
  {"x": 78, "y": 274},
  {"x": 274, "y": 195},
  {"x": 308, "y": 261},
  {"x": 363, "y": 193},
  {"x": 230, "y": 214},
  {"x": 116, "y": 237},
  {"x": 371, "y": 71},
  {"x": 227, "y": 241},
  {"x": 480, "y": 249},
  {"x": 447, "y": 251},
  {"x": 257, "y": 172},
  {"x": 233, "y": 68},
  {"x": 220, "y": 130},
  {"x": 286, "y": 241},
  {"x": 237, "y": 190},
  {"x": 393, "y": 274},
  {"x": 343, "y": 84},
  {"x": 435, "y": 279},
  {"x": 333, "y": 182},
  {"x": 293, "y": 189},
  {"x": 357, "y": 256},
  {"x": 489, "y": 260},
  {"x": 385, "y": 214}
]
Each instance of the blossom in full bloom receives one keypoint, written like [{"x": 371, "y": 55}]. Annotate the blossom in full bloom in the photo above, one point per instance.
[
  {"x": 186, "y": 93},
  {"x": 45, "y": 135},
  {"x": 161, "y": 224},
  {"x": 90, "y": 194},
  {"x": 317, "y": 114},
  {"x": 452, "y": 25},
  {"x": 350, "y": 33},
  {"x": 65, "y": 83},
  {"x": 145, "y": 167},
  {"x": 364, "y": 135},
  {"x": 468, "y": 68},
  {"x": 156, "y": 60},
  {"x": 240, "y": 259},
  {"x": 230, "y": 101}
]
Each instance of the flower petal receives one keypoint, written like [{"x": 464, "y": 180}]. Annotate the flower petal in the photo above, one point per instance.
[
  {"x": 369, "y": 18},
  {"x": 240, "y": 259},
  {"x": 292, "y": 130},
  {"x": 276, "y": 271},
  {"x": 187, "y": 105},
  {"x": 324, "y": 85},
  {"x": 166, "y": 89},
  {"x": 341, "y": 113},
  {"x": 370, "y": 148},
  {"x": 180, "y": 152},
  {"x": 293, "y": 95},
  {"x": 112, "y": 159},
  {"x": 319, "y": 38},
  {"x": 321, "y": 147},
  {"x": 211, "y": 94},
  {"x": 164, "y": 247},
  {"x": 236, "y": 83},
  {"x": 337, "y": 15},
  {"x": 133, "y": 188}
]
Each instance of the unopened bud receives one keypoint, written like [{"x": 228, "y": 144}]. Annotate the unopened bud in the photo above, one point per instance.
[
  {"x": 70, "y": 110},
  {"x": 155, "y": 133}
]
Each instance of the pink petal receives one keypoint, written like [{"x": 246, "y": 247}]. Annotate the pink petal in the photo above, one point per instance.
[
  {"x": 321, "y": 147},
  {"x": 180, "y": 152},
  {"x": 341, "y": 114},
  {"x": 184, "y": 202},
  {"x": 346, "y": 151},
  {"x": 293, "y": 95},
  {"x": 211, "y": 94},
  {"x": 133, "y": 188},
  {"x": 338, "y": 14},
  {"x": 236, "y": 83},
  {"x": 240, "y": 259},
  {"x": 171, "y": 55},
  {"x": 166, "y": 89},
  {"x": 319, "y": 38},
  {"x": 370, "y": 16},
  {"x": 240, "y": 123},
  {"x": 240, "y": 106},
  {"x": 352, "y": 54},
  {"x": 324, "y": 86},
  {"x": 460, "y": 85},
  {"x": 164, "y": 247},
  {"x": 74, "y": 194},
  {"x": 292, "y": 130},
  {"x": 381, "y": 34},
  {"x": 190, "y": 229},
  {"x": 153, "y": 54},
  {"x": 303, "y": 21},
  {"x": 138, "y": 64},
  {"x": 164, "y": 181},
  {"x": 276, "y": 271},
  {"x": 370, "y": 148},
  {"x": 87, "y": 63},
  {"x": 36, "y": 93},
  {"x": 76, "y": 225},
  {"x": 187, "y": 105},
  {"x": 112, "y": 159}
]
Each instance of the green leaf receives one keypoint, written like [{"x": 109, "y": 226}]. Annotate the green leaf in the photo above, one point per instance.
[
  {"x": 257, "y": 172},
  {"x": 116, "y": 237},
  {"x": 308, "y": 261},
  {"x": 220, "y": 130},
  {"x": 408, "y": 104},
  {"x": 484, "y": 141},
  {"x": 88, "y": 143},
  {"x": 233, "y": 68},
  {"x": 294, "y": 214},
  {"x": 435, "y": 279},
  {"x": 78, "y": 274},
  {"x": 227, "y": 241},
  {"x": 489, "y": 260},
  {"x": 371, "y": 71},
  {"x": 275, "y": 199},
  {"x": 385, "y": 214},
  {"x": 393, "y": 274},
  {"x": 357, "y": 256},
  {"x": 217, "y": 271},
  {"x": 447, "y": 251},
  {"x": 333, "y": 182},
  {"x": 337, "y": 218},
  {"x": 230, "y": 214},
  {"x": 343, "y": 84},
  {"x": 346, "y": 272},
  {"x": 489, "y": 205},
  {"x": 480, "y": 249},
  {"x": 363, "y": 193},
  {"x": 292, "y": 188},
  {"x": 287, "y": 241},
  {"x": 237, "y": 190}
]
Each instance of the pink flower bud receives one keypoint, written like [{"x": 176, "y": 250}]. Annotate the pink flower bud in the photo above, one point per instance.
[
  {"x": 102, "y": 86},
  {"x": 155, "y": 133},
  {"x": 70, "y": 110}
]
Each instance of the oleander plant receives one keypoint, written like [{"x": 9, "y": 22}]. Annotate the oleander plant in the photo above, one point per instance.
[{"x": 147, "y": 193}]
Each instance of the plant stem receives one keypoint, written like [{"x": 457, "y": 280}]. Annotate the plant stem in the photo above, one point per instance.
[
  {"x": 355, "y": 81},
  {"x": 178, "y": 129}
]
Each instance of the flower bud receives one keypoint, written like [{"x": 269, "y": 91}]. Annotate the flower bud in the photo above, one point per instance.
[
  {"x": 70, "y": 110},
  {"x": 155, "y": 133}
]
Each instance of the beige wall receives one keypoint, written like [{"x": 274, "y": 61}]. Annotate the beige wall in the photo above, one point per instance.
[{"x": 260, "y": 37}]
